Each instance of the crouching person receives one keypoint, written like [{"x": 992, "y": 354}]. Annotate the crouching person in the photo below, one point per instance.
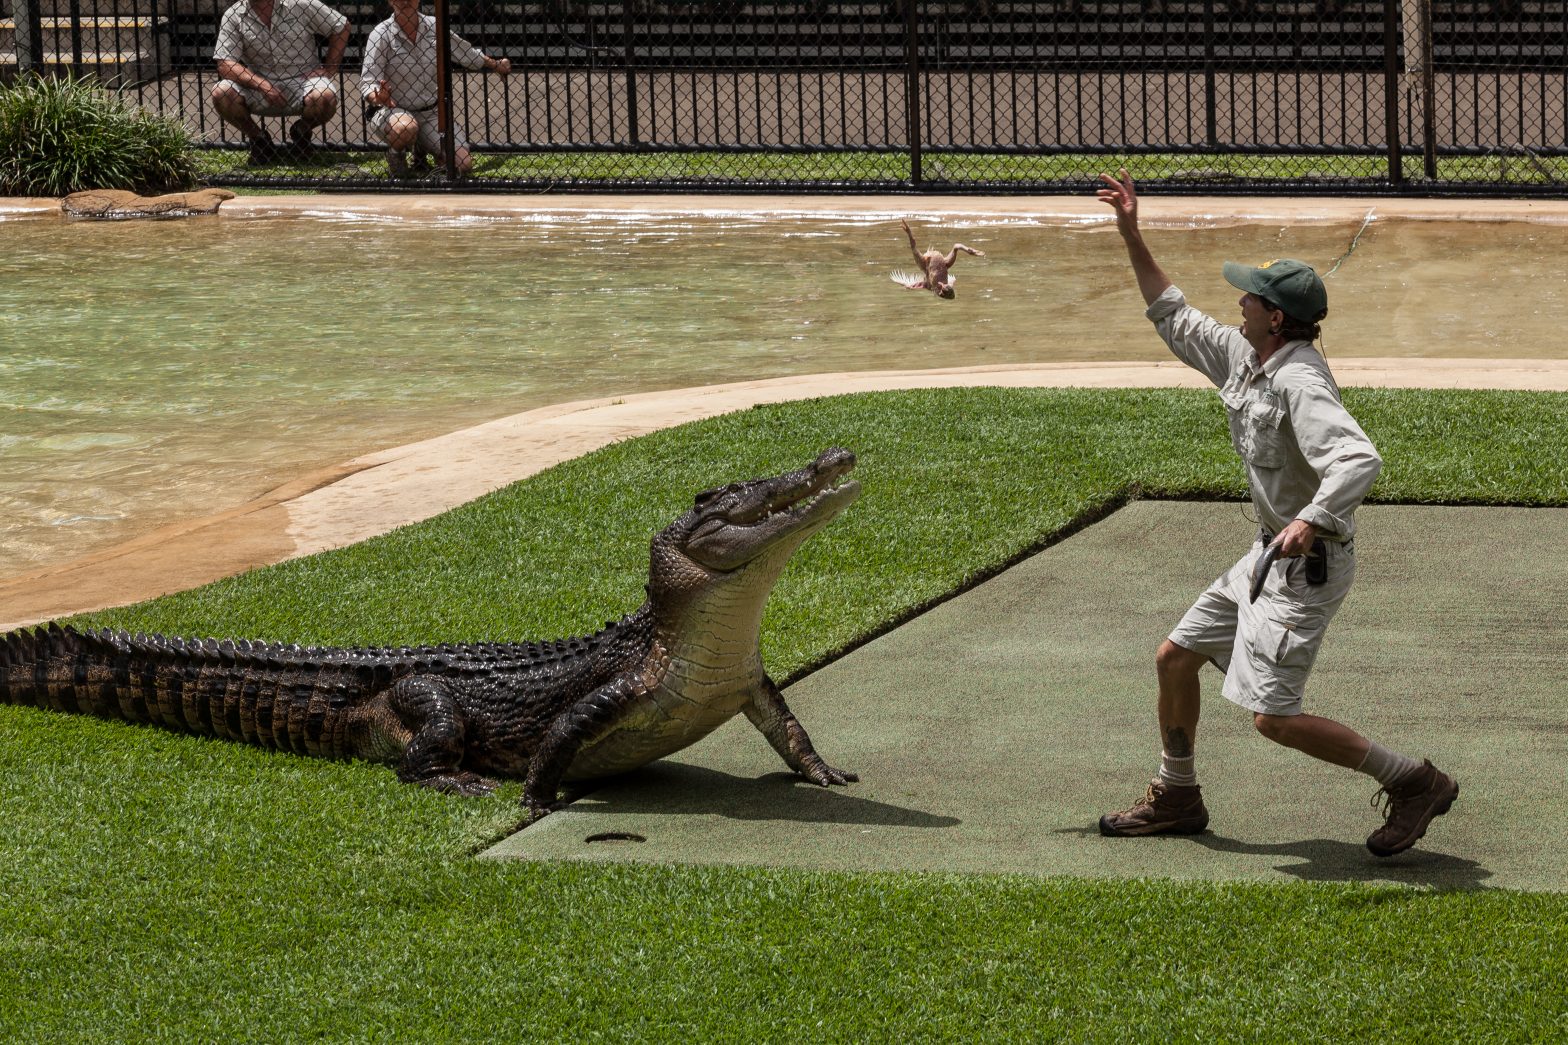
[
  {"x": 269, "y": 63},
  {"x": 400, "y": 89}
]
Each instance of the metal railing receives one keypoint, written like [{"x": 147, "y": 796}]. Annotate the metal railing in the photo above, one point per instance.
[{"x": 1367, "y": 96}]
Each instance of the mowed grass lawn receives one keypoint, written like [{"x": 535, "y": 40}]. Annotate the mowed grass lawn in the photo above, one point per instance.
[{"x": 155, "y": 887}]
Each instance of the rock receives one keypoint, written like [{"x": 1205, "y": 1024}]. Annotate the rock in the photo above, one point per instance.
[{"x": 119, "y": 204}]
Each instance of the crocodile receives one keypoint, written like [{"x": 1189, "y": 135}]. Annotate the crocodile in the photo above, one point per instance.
[{"x": 455, "y": 717}]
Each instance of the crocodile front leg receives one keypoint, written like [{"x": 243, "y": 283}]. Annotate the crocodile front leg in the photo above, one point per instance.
[
  {"x": 768, "y": 712},
  {"x": 429, "y": 710},
  {"x": 591, "y": 718}
]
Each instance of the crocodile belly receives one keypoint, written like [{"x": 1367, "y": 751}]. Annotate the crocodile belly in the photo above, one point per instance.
[{"x": 662, "y": 723}]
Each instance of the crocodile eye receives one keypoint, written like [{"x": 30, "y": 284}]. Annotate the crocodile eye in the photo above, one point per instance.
[{"x": 707, "y": 497}]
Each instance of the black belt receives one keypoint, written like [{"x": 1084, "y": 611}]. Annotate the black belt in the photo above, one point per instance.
[
  {"x": 371, "y": 107},
  {"x": 1267, "y": 537},
  {"x": 1317, "y": 560}
]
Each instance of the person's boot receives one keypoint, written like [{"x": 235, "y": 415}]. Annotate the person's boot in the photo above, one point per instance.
[
  {"x": 397, "y": 164},
  {"x": 299, "y": 140},
  {"x": 262, "y": 151},
  {"x": 1408, "y": 808},
  {"x": 1166, "y": 809}
]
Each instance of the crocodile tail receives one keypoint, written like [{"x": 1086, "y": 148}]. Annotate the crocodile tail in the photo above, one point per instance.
[{"x": 281, "y": 697}]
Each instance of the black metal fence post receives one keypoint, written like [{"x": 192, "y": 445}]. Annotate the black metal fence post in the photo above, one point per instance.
[
  {"x": 76, "y": 37},
  {"x": 1210, "y": 120},
  {"x": 629, "y": 24},
  {"x": 29, "y": 36},
  {"x": 1396, "y": 163},
  {"x": 913, "y": 87},
  {"x": 1428, "y": 87},
  {"x": 444, "y": 89}
]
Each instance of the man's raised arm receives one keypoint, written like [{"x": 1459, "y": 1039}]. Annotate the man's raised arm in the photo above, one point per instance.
[
  {"x": 336, "y": 44},
  {"x": 1120, "y": 195}
]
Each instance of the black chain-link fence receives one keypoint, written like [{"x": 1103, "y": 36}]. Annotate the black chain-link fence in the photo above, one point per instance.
[{"x": 1402, "y": 96}]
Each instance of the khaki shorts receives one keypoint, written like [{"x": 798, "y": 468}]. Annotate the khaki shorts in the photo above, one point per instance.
[
  {"x": 293, "y": 92},
  {"x": 429, "y": 121},
  {"x": 1266, "y": 648}
]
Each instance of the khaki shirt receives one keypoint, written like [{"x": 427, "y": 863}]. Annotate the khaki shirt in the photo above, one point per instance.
[
  {"x": 409, "y": 66},
  {"x": 1306, "y": 457},
  {"x": 286, "y": 50}
]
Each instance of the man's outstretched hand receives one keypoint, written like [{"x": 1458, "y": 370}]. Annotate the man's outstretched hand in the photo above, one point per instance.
[{"x": 1118, "y": 193}]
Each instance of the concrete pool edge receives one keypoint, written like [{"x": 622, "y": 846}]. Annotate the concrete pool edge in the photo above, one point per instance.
[
  {"x": 1155, "y": 210},
  {"x": 378, "y": 492}
]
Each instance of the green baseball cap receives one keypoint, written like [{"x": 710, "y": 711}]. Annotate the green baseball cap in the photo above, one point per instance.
[{"x": 1290, "y": 284}]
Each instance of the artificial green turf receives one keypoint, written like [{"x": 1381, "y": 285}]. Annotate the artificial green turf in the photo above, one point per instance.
[{"x": 156, "y": 886}]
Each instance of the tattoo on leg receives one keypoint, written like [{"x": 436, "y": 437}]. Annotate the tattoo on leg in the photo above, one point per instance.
[{"x": 1177, "y": 743}]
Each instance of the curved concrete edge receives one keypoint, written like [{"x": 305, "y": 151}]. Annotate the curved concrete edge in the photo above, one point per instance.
[
  {"x": 13, "y": 207},
  {"x": 1157, "y": 210},
  {"x": 378, "y": 492}
]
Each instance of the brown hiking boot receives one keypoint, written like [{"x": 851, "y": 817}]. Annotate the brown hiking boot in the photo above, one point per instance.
[
  {"x": 1409, "y": 807},
  {"x": 1166, "y": 809}
]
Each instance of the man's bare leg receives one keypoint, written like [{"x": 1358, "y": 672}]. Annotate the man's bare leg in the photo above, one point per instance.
[
  {"x": 402, "y": 133},
  {"x": 320, "y": 106},
  {"x": 230, "y": 106},
  {"x": 1179, "y": 705},
  {"x": 1417, "y": 791},
  {"x": 1322, "y": 738},
  {"x": 1173, "y": 803}
]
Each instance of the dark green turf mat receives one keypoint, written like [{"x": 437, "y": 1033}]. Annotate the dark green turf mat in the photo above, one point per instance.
[{"x": 991, "y": 732}]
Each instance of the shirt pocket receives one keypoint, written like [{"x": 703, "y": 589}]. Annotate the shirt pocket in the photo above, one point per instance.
[{"x": 1255, "y": 429}]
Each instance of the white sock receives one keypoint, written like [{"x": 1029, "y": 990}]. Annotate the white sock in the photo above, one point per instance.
[
  {"x": 1178, "y": 772},
  {"x": 1386, "y": 767}
]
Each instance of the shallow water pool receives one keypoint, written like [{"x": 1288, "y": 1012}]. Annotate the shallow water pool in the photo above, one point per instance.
[{"x": 152, "y": 371}]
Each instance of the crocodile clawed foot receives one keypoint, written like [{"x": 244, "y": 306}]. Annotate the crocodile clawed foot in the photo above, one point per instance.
[
  {"x": 461, "y": 782},
  {"x": 533, "y": 811},
  {"x": 819, "y": 772}
]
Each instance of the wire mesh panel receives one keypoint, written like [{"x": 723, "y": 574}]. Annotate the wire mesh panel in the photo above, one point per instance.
[
  {"x": 700, "y": 93},
  {"x": 1202, "y": 92},
  {"x": 941, "y": 95},
  {"x": 1484, "y": 92}
]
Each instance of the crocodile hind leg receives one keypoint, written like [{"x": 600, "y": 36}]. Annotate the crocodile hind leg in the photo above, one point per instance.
[
  {"x": 768, "y": 712},
  {"x": 434, "y": 754}
]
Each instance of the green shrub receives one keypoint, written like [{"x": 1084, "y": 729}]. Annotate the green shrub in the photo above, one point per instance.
[{"x": 59, "y": 136}]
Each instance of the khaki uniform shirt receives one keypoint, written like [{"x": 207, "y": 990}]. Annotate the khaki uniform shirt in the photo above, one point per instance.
[
  {"x": 409, "y": 66},
  {"x": 1306, "y": 457},
  {"x": 287, "y": 49}
]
